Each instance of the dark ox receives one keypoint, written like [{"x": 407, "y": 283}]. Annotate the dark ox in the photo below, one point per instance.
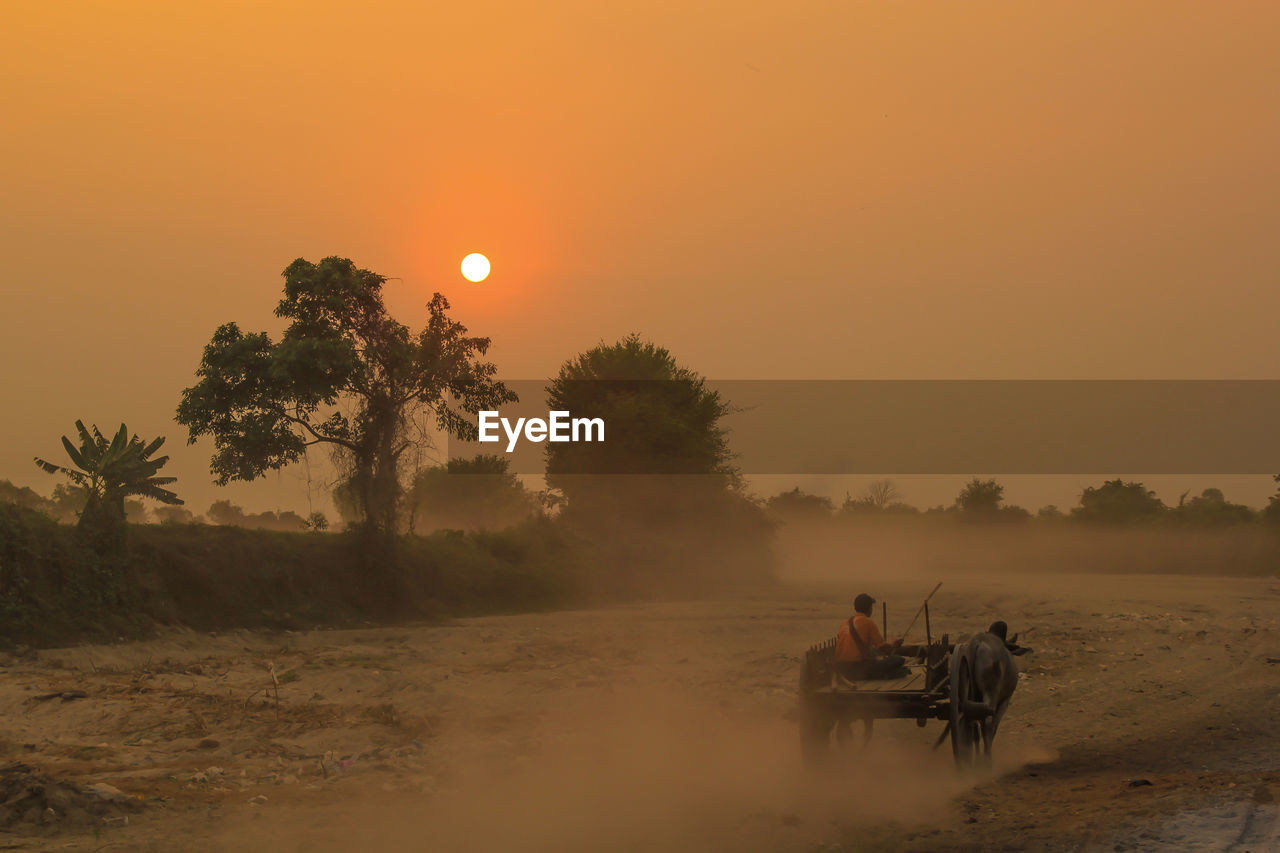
[{"x": 995, "y": 676}]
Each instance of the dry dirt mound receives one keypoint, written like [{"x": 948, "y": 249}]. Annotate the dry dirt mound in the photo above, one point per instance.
[{"x": 28, "y": 797}]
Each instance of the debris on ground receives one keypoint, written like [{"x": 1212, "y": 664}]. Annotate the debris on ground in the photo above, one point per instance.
[
  {"x": 28, "y": 797},
  {"x": 64, "y": 695}
]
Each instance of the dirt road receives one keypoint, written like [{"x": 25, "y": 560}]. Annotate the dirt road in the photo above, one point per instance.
[{"x": 1147, "y": 718}]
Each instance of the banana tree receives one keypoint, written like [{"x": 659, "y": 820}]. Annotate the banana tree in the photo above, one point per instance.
[{"x": 111, "y": 470}]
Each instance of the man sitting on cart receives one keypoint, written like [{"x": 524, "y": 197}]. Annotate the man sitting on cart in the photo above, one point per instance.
[{"x": 859, "y": 646}]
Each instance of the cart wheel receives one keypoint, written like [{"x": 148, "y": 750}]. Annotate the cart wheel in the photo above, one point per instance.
[{"x": 966, "y": 730}]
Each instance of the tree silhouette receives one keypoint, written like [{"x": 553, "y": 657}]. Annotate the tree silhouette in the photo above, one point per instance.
[
  {"x": 880, "y": 497},
  {"x": 796, "y": 505},
  {"x": 1271, "y": 512},
  {"x": 662, "y": 418},
  {"x": 980, "y": 497},
  {"x": 469, "y": 494},
  {"x": 345, "y": 375},
  {"x": 660, "y": 496},
  {"x": 1211, "y": 509},
  {"x": 1118, "y": 502},
  {"x": 108, "y": 471}
]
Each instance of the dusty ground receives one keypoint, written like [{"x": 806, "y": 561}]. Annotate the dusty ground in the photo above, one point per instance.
[{"x": 664, "y": 727}]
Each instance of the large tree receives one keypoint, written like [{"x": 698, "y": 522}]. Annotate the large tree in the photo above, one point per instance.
[
  {"x": 660, "y": 417},
  {"x": 659, "y": 499},
  {"x": 345, "y": 375}
]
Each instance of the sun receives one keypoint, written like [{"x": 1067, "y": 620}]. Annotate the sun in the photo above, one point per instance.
[{"x": 475, "y": 267}]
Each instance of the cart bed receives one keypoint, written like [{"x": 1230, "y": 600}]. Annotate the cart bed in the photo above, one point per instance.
[{"x": 914, "y": 681}]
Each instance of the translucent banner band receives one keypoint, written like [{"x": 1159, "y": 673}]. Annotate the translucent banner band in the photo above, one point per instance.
[{"x": 816, "y": 427}]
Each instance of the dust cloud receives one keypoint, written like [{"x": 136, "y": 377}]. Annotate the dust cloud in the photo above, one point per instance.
[
  {"x": 646, "y": 768},
  {"x": 819, "y": 553}
]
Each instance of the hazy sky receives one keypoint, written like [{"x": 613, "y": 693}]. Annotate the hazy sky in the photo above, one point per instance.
[{"x": 772, "y": 190}]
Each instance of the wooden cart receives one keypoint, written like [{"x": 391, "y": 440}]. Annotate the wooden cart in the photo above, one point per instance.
[{"x": 939, "y": 686}]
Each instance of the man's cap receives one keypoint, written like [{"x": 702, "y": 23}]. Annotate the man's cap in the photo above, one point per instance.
[{"x": 863, "y": 602}]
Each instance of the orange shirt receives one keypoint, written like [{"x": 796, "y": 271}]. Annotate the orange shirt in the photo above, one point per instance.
[{"x": 846, "y": 648}]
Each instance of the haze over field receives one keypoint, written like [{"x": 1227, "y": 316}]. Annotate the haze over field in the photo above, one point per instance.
[{"x": 823, "y": 190}]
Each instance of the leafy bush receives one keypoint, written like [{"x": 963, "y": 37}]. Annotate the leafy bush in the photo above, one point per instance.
[
  {"x": 52, "y": 588},
  {"x": 209, "y": 577}
]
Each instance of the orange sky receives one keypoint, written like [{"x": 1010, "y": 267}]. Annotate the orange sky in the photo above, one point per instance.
[{"x": 861, "y": 190}]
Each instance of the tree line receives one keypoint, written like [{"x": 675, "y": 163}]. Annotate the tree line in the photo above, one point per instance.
[
  {"x": 1113, "y": 502},
  {"x": 347, "y": 378},
  {"x": 66, "y": 504}
]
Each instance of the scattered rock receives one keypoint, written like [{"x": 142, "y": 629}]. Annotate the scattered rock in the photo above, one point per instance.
[
  {"x": 1262, "y": 795},
  {"x": 208, "y": 743},
  {"x": 1140, "y": 783},
  {"x": 258, "y": 800},
  {"x": 102, "y": 789},
  {"x": 209, "y": 774}
]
